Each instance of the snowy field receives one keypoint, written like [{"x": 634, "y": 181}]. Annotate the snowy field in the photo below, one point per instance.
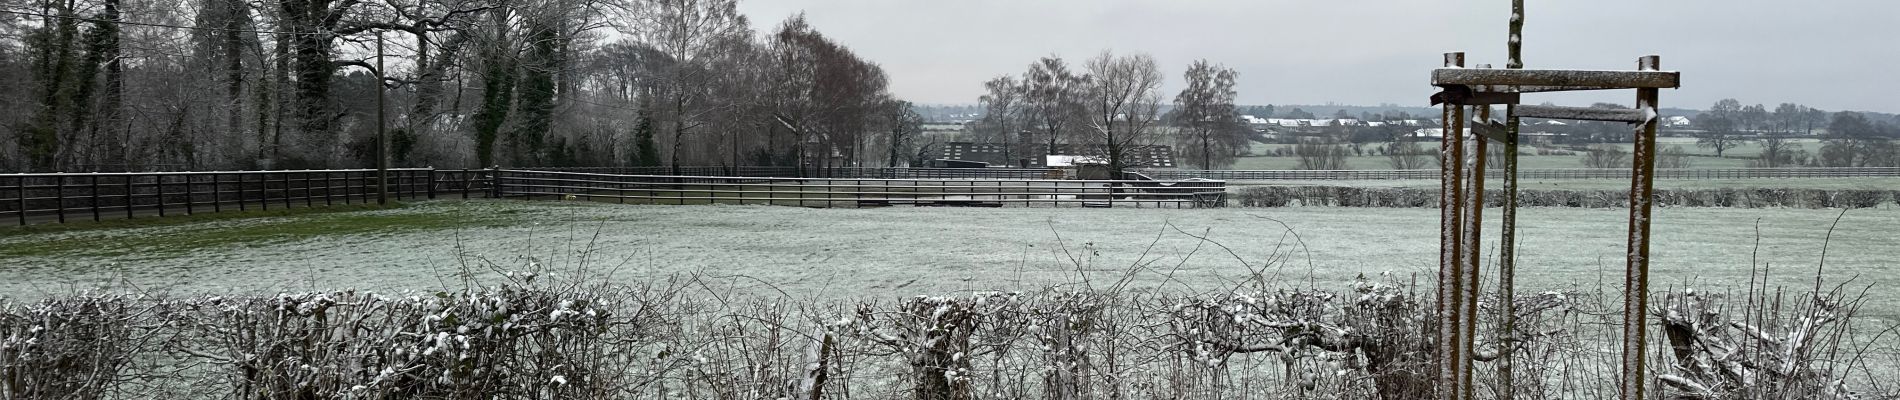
[{"x": 903, "y": 251}]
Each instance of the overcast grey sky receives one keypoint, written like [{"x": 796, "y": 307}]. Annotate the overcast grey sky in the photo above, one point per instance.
[{"x": 1830, "y": 54}]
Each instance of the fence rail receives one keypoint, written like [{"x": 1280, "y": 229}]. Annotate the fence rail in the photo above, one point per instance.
[
  {"x": 829, "y": 172},
  {"x": 857, "y": 192},
  {"x": 1533, "y": 174},
  {"x": 60, "y": 197},
  {"x": 1175, "y": 174}
]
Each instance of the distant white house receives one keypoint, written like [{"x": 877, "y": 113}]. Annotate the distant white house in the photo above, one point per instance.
[
  {"x": 1677, "y": 122},
  {"x": 1434, "y": 132}
]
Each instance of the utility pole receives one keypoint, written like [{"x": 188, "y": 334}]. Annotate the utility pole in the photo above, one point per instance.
[{"x": 382, "y": 136}]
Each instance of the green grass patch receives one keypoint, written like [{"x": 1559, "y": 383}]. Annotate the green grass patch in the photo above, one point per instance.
[
  {"x": 171, "y": 237},
  {"x": 76, "y": 223}
]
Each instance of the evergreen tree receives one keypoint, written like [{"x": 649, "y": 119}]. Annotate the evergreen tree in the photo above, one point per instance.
[{"x": 646, "y": 152}]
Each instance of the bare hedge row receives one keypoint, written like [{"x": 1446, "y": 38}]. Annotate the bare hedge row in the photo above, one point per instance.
[
  {"x": 1343, "y": 196},
  {"x": 549, "y": 341}
]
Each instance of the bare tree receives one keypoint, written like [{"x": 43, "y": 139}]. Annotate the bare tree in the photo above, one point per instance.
[
  {"x": 470, "y": 82},
  {"x": 904, "y": 125},
  {"x": 1719, "y": 127},
  {"x": 1406, "y": 153},
  {"x": 1210, "y": 132},
  {"x": 823, "y": 93},
  {"x": 1321, "y": 154},
  {"x": 1002, "y": 109},
  {"x": 1673, "y": 157},
  {"x": 1777, "y": 152},
  {"x": 690, "y": 33},
  {"x": 1606, "y": 156},
  {"x": 1123, "y": 103},
  {"x": 1052, "y": 101}
]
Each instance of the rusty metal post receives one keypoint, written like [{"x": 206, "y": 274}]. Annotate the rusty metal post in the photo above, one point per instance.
[
  {"x": 1507, "y": 233},
  {"x": 1451, "y": 184},
  {"x": 1636, "y": 278}
]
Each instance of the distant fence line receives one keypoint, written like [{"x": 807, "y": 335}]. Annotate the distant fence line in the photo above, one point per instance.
[
  {"x": 1346, "y": 196},
  {"x": 59, "y": 197},
  {"x": 1531, "y": 174},
  {"x": 856, "y": 192},
  {"x": 827, "y": 172},
  {"x": 1231, "y": 175}
]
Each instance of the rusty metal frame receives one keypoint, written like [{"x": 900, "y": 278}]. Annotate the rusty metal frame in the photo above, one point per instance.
[{"x": 1462, "y": 201}]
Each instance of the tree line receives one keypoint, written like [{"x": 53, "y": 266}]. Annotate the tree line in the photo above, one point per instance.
[
  {"x": 1847, "y": 138},
  {"x": 210, "y": 84},
  {"x": 1110, "y": 107}
]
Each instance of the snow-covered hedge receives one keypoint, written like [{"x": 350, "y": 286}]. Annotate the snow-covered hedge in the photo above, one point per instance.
[
  {"x": 1341, "y": 196},
  {"x": 687, "y": 339}
]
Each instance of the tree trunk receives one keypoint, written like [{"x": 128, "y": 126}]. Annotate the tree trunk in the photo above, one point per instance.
[{"x": 233, "y": 52}]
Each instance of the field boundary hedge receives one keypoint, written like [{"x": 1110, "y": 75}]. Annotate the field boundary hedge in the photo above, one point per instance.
[
  {"x": 1346, "y": 196},
  {"x": 543, "y": 341}
]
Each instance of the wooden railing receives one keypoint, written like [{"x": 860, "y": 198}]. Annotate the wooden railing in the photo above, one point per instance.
[
  {"x": 857, "y": 192},
  {"x": 1531, "y": 174},
  {"x": 1231, "y": 175},
  {"x": 828, "y": 172},
  {"x": 60, "y": 197}
]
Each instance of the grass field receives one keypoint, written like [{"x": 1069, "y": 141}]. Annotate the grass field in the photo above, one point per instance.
[{"x": 904, "y": 251}]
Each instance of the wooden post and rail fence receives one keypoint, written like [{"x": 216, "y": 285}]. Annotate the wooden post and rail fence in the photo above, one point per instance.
[
  {"x": 60, "y": 197},
  {"x": 34, "y": 198}
]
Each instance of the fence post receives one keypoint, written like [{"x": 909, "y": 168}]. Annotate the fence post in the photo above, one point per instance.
[
  {"x": 128, "y": 197},
  {"x": 263, "y": 190},
  {"x": 308, "y": 201},
  {"x": 494, "y": 183},
  {"x": 158, "y": 183},
  {"x": 431, "y": 182},
  {"x": 240, "y": 194},
  {"x": 94, "y": 182},
  {"x": 188, "y": 201},
  {"x": 286, "y": 176},
  {"x": 20, "y": 186}
]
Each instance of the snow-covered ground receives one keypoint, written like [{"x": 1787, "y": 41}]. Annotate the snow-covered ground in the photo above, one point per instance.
[{"x": 903, "y": 251}]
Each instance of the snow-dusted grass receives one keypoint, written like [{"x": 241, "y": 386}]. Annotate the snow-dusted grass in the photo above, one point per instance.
[{"x": 904, "y": 251}]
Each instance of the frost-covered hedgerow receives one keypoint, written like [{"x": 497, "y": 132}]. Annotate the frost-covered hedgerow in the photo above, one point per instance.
[
  {"x": 1340, "y": 196},
  {"x": 686, "y": 339}
]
